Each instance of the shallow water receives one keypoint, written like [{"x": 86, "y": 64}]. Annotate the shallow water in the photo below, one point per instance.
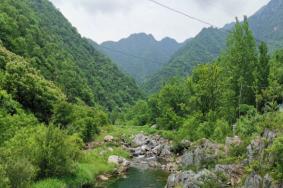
[{"x": 139, "y": 178}]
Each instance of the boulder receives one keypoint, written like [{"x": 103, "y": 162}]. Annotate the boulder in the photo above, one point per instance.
[
  {"x": 202, "y": 151},
  {"x": 189, "y": 179},
  {"x": 233, "y": 141},
  {"x": 114, "y": 159},
  {"x": 165, "y": 152},
  {"x": 255, "y": 148},
  {"x": 139, "y": 140},
  {"x": 269, "y": 135},
  {"x": 253, "y": 181},
  {"x": 108, "y": 138},
  {"x": 267, "y": 181},
  {"x": 103, "y": 178},
  {"x": 233, "y": 172}
]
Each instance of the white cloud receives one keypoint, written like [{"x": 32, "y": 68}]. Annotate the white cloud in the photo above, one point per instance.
[{"x": 103, "y": 20}]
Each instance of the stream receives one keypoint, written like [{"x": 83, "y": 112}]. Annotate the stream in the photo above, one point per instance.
[{"x": 137, "y": 178}]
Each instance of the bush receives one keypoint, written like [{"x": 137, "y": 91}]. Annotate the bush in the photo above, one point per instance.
[
  {"x": 222, "y": 130},
  {"x": 80, "y": 119},
  {"x": 4, "y": 180},
  {"x": 21, "y": 172},
  {"x": 40, "y": 152},
  {"x": 277, "y": 152}
]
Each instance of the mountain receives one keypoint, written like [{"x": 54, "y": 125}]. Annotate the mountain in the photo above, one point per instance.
[
  {"x": 37, "y": 31},
  {"x": 206, "y": 46},
  {"x": 147, "y": 55},
  {"x": 267, "y": 25}
]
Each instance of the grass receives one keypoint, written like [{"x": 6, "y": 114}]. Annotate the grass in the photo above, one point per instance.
[
  {"x": 95, "y": 162},
  {"x": 54, "y": 183}
]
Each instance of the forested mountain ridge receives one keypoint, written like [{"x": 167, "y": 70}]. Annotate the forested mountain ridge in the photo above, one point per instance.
[
  {"x": 266, "y": 24},
  {"x": 36, "y": 30},
  {"x": 147, "y": 55},
  {"x": 206, "y": 46}
]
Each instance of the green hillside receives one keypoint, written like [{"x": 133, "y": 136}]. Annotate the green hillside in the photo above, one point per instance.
[
  {"x": 36, "y": 30},
  {"x": 266, "y": 24},
  {"x": 206, "y": 46}
]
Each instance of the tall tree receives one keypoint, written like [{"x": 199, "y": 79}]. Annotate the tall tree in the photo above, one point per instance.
[
  {"x": 241, "y": 57},
  {"x": 261, "y": 74}
]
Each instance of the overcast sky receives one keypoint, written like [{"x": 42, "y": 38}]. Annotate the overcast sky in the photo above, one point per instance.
[{"x": 103, "y": 20}]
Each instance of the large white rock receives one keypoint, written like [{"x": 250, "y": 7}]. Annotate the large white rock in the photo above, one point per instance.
[{"x": 108, "y": 138}]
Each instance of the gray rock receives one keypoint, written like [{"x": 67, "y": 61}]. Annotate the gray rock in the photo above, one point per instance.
[
  {"x": 139, "y": 140},
  {"x": 202, "y": 151},
  {"x": 253, "y": 181},
  {"x": 267, "y": 181},
  {"x": 269, "y": 135},
  {"x": 189, "y": 179},
  {"x": 114, "y": 159},
  {"x": 255, "y": 148},
  {"x": 188, "y": 158},
  {"x": 165, "y": 152},
  {"x": 233, "y": 141},
  {"x": 233, "y": 172}
]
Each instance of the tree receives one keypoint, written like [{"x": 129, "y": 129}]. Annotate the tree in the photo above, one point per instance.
[
  {"x": 261, "y": 74},
  {"x": 241, "y": 57}
]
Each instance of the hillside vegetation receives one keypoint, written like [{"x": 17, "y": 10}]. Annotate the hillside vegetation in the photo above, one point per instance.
[
  {"x": 242, "y": 87},
  {"x": 37, "y": 31},
  {"x": 266, "y": 24}
]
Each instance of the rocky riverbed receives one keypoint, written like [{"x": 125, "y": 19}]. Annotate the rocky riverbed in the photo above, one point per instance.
[{"x": 190, "y": 170}]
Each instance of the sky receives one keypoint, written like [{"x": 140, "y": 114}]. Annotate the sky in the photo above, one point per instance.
[{"x": 104, "y": 20}]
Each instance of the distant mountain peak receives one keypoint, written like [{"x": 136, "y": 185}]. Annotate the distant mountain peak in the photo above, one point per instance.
[{"x": 148, "y": 55}]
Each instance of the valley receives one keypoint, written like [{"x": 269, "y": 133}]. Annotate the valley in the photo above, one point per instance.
[{"x": 139, "y": 112}]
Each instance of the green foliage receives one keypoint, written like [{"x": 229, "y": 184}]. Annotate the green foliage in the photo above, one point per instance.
[
  {"x": 12, "y": 117},
  {"x": 276, "y": 151},
  {"x": 39, "y": 152},
  {"x": 28, "y": 87},
  {"x": 79, "y": 119},
  {"x": 205, "y": 47},
  {"x": 54, "y": 183},
  {"x": 139, "y": 114},
  {"x": 4, "y": 180},
  {"x": 37, "y": 31},
  {"x": 210, "y": 43}
]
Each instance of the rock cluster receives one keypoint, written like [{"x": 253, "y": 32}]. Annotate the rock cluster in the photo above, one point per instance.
[
  {"x": 202, "y": 151},
  {"x": 152, "y": 151},
  {"x": 121, "y": 163},
  {"x": 190, "y": 179},
  {"x": 256, "y": 181}
]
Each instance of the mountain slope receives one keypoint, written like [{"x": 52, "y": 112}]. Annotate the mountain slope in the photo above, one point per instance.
[
  {"x": 155, "y": 53},
  {"x": 206, "y": 46},
  {"x": 267, "y": 25},
  {"x": 36, "y": 30}
]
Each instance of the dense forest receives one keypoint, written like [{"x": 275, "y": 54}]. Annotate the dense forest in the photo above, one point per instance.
[
  {"x": 66, "y": 109},
  {"x": 40, "y": 33}
]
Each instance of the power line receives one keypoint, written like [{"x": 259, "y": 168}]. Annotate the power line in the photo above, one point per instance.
[
  {"x": 178, "y": 12},
  {"x": 193, "y": 18},
  {"x": 181, "y": 13}
]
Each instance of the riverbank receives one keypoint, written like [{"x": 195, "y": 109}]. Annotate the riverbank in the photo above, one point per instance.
[{"x": 94, "y": 160}]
